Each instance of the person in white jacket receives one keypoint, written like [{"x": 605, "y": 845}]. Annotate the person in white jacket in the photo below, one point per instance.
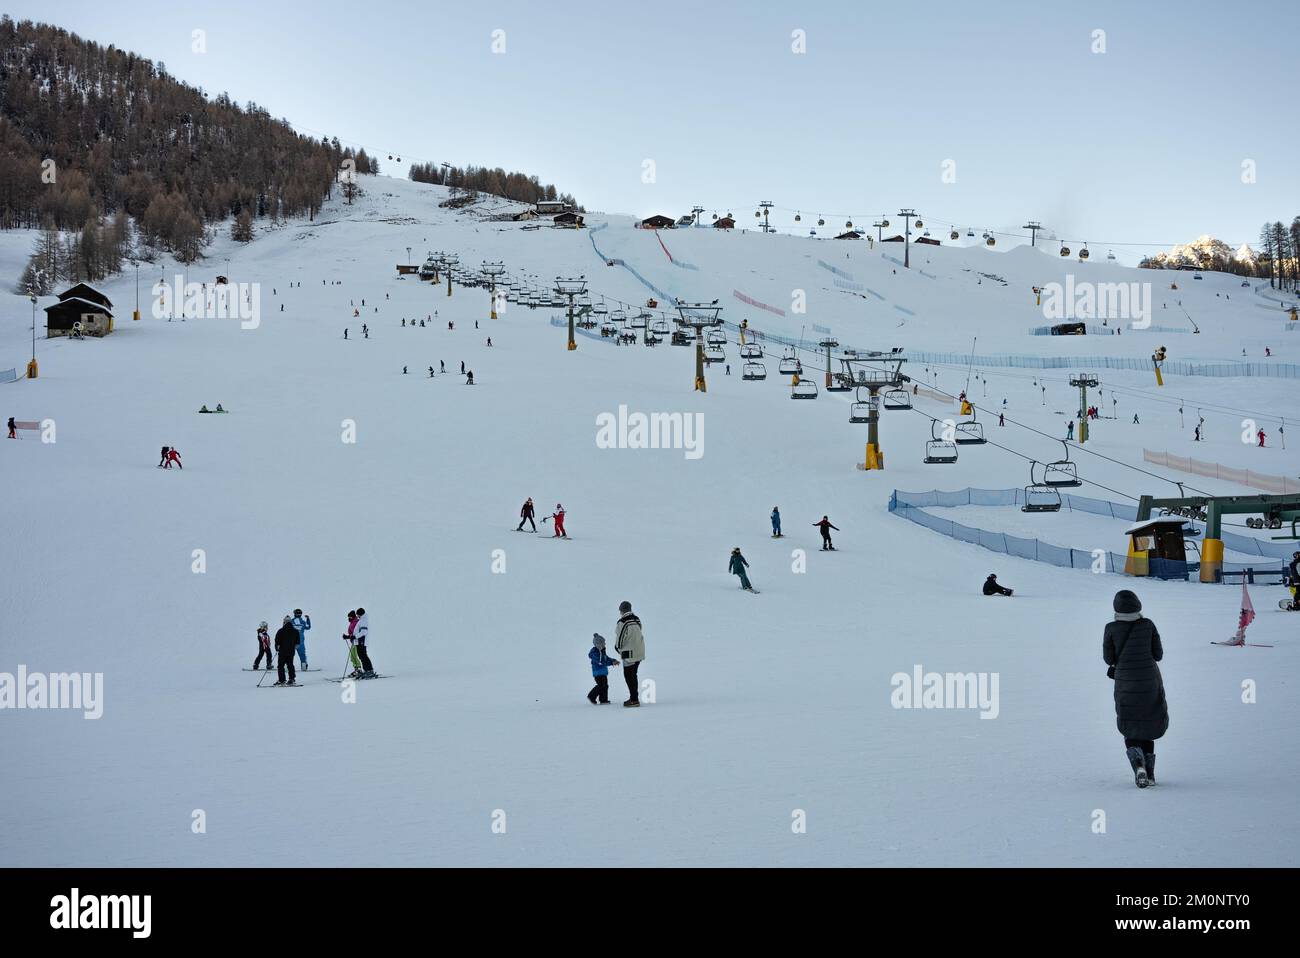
[{"x": 359, "y": 636}]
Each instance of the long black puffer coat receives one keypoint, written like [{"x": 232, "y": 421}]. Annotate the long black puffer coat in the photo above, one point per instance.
[{"x": 1134, "y": 649}]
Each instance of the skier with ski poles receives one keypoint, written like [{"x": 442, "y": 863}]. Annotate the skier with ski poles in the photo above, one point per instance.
[
  {"x": 286, "y": 643},
  {"x": 352, "y": 650},
  {"x": 264, "y": 647},
  {"x": 359, "y": 635},
  {"x": 736, "y": 565},
  {"x": 558, "y": 516}
]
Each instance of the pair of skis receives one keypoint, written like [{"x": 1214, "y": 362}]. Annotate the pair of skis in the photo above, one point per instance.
[{"x": 349, "y": 678}]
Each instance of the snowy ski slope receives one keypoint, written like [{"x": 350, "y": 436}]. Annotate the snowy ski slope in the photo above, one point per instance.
[{"x": 763, "y": 705}]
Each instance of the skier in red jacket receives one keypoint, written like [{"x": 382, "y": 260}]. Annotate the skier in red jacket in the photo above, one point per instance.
[
  {"x": 173, "y": 456},
  {"x": 558, "y": 516}
]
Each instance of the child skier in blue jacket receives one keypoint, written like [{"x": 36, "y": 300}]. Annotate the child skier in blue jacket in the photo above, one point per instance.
[{"x": 600, "y": 663}]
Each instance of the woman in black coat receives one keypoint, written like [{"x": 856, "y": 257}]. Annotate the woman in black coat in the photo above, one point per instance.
[{"x": 1131, "y": 647}]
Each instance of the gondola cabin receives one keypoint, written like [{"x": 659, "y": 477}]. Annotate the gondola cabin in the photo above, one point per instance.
[{"x": 1156, "y": 548}]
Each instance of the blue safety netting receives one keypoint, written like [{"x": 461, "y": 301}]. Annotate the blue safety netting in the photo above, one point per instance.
[{"x": 912, "y": 506}]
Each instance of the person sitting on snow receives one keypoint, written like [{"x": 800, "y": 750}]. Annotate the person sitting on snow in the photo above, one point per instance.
[{"x": 991, "y": 586}]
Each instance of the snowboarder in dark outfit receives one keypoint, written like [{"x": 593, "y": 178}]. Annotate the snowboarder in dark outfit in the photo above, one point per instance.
[
  {"x": 737, "y": 565},
  {"x": 600, "y": 663},
  {"x": 286, "y": 644},
  {"x": 526, "y": 515},
  {"x": 630, "y": 646},
  {"x": 776, "y": 523},
  {"x": 992, "y": 587},
  {"x": 162, "y": 463},
  {"x": 826, "y": 527},
  {"x": 264, "y": 648},
  {"x": 1131, "y": 647}
]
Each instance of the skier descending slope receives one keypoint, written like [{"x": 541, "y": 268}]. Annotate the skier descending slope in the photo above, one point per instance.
[
  {"x": 630, "y": 646},
  {"x": 736, "y": 566},
  {"x": 359, "y": 635},
  {"x": 776, "y": 523},
  {"x": 1131, "y": 647}
]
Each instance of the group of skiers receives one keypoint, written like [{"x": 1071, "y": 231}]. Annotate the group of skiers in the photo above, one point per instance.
[
  {"x": 527, "y": 511},
  {"x": 291, "y": 639}
]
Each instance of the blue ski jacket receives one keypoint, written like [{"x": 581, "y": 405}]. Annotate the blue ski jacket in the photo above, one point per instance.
[
  {"x": 600, "y": 662},
  {"x": 303, "y": 624}
]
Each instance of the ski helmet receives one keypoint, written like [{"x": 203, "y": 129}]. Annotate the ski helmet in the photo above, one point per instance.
[
  {"x": 286, "y": 620},
  {"x": 263, "y": 625}
]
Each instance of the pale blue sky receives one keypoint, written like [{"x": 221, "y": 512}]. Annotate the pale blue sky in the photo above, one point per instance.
[{"x": 1143, "y": 143}]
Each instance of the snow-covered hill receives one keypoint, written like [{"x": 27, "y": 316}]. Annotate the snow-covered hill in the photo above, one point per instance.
[{"x": 763, "y": 705}]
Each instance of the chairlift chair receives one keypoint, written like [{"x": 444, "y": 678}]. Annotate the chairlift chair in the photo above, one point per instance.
[
  {"x": 751, "y": 351},
  {"x": 970, "y": 433},
  {"x": 840, "y": 383},
  {"x": 714, "y": 354},
  {"x": 639, "y": 320},
  {"x": 898, "y": 399},
  {"x": 861, "y": 410},
  {"x": 1039, "y": 496},
  {"x": 715, "y": 337},
  {"x": 804, "y": 389},
  {"x": 660, "y": 327},
  {"x": 789, "y": 366},
  {"x": 940, "y": 452},
  {"x": 754, "y": 371},
  {"x": 1062, "y": 473}
]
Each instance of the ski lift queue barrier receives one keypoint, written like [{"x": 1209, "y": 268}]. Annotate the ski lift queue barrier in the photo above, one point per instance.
[
  {"x": 8, "y": 375},
  {"x": 912, "y": 505}
]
